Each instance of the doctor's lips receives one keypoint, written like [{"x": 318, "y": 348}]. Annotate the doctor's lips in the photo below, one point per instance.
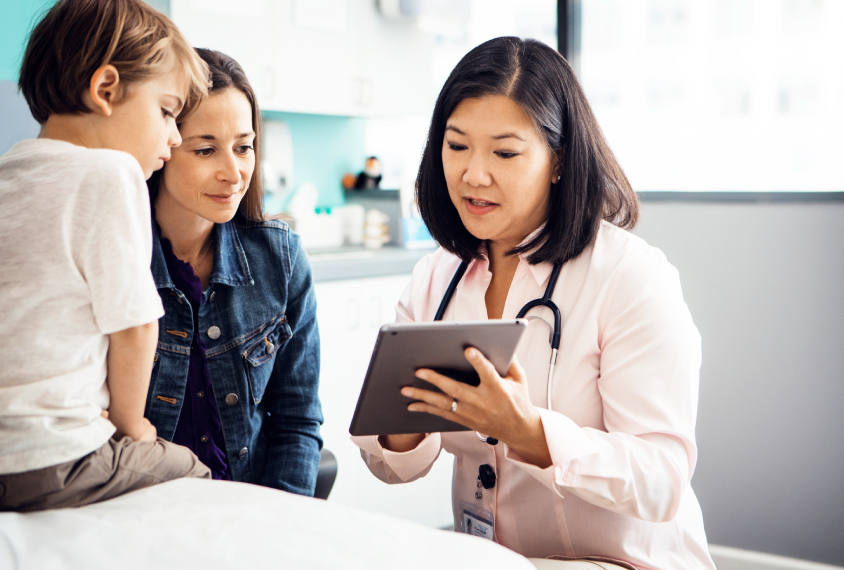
[{"x": 479, "y": 207}]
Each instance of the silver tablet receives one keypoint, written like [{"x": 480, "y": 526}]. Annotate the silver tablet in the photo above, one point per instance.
[{"x": 403, "y": 348}]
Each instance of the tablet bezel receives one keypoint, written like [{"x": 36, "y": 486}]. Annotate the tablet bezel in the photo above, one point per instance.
[{"x": 382, "y": 410}]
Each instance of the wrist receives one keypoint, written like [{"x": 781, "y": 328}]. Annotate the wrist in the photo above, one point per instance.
[
  {"x": 532, "y": 444},
  {"x": 402, "y": 442},
  {"x": 133, "y": 427}
]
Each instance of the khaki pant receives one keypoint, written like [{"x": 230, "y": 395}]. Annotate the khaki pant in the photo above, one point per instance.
[{"x": 116, "y": 468}]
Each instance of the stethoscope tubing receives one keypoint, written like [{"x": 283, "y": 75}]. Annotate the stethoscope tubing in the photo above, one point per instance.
[{"x": 545, "y": 301}]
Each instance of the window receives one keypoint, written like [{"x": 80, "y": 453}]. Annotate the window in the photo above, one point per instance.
[{"x": 719, "y": 95}]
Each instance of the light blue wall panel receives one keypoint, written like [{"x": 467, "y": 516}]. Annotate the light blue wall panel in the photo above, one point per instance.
[
  {"x": 17, "y": 17},
  {"x": 15, "y": 117},
  {"x": 324, "y": 148}
]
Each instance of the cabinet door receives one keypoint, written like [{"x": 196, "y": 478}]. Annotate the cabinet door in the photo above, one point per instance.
[
  {"x": 355, "y": 63},
  {"x": 238, "y": 29},
  {"x": 331, "y": 57},
  {"x": 350, "y": 314}
]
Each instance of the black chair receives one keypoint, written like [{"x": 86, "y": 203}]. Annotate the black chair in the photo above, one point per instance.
[{"x": 326, "y": 475}]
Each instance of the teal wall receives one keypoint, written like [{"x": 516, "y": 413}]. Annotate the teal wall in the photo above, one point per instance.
[
  {"x": 324, "y": 149},
  {"x": 17, "y": 18}
]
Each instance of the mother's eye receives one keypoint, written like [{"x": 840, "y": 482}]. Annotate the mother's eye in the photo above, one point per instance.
[
  {"x": 203, "y": 151},
  {"x": 244, "y": 148}
]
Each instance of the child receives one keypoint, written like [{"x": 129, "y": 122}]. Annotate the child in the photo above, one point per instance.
[{"x": 78, "y": 307}]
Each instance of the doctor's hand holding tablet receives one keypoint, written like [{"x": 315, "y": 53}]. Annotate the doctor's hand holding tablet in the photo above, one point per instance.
[{"x": 581, "y": 446}]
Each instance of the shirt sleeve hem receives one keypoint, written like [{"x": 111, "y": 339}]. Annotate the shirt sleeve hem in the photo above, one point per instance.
[
  {"x": 567, "y": 444},
  {"x": 131, "y": 320},
  {"x": 408, "y": 464}
]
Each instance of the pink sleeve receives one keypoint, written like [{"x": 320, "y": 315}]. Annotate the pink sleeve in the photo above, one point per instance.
[
  {"x": 392, "y": 467},
  {"x": 650, "y": 360}
]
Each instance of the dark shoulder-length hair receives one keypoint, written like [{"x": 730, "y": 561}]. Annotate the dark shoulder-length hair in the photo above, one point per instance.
[
  {"x": 592, "y": 186},
  {"x": 226, "y": 73}
]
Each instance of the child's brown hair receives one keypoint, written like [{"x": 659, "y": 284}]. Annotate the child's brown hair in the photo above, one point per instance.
[{"x": 77, "y": 37}]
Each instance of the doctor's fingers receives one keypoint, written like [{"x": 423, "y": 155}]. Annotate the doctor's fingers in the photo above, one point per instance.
[
  {"x": 457, "y": 417},
  {"x": 516, "y": 372},
  {"x": 485, "y": 408},
  {"x": 433, "y": 398},
  {"x": 452, "y": 388},
  {"x": 492, "y": 398},
  {"x": 482, "y": 366},
  {"x": 442, "y": 405}
]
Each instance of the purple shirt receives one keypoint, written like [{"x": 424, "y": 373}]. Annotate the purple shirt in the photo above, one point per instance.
[{"x": 199, "y": 427}]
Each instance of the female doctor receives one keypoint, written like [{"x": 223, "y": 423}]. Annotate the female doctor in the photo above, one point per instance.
[{"x": 588, "y": 457}]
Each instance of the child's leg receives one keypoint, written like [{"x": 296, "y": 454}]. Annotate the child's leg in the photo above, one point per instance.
[{"x": 116, "y": 468}]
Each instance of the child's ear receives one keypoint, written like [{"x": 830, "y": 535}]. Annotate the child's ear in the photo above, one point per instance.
[{"x": 103, "y": 90}]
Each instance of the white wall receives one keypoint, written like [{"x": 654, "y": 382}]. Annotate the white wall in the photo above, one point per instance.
[{"x": 765, "y": 285}]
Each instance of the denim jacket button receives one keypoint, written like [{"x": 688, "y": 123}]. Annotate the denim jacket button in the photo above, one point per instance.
[
  {"x": 231, "y": 399},
  {"x": 243, "y": 452},
  {"x": 214, "y": 332}
]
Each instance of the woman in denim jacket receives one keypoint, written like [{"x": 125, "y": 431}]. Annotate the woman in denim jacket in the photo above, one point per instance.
[{"x": 237, "y": 367}]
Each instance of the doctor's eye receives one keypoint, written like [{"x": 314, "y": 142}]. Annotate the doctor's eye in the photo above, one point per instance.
[
  {"x": 453, "y": 146},
  {"x": 505, "y": 154}
]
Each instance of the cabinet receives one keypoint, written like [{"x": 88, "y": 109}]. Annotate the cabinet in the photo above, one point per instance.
[
  {"x": 333, "y": 57},
  {"x": 350, "y": 312}
]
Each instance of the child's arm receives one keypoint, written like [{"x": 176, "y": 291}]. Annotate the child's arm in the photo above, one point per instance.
[{"x": 130, "y": 358}]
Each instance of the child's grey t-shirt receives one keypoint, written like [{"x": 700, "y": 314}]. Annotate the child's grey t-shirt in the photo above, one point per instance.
[{"x": 75, "y": 251}]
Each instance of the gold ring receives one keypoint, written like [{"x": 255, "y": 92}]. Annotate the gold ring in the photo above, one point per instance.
[{"x": 453, "y": 405}]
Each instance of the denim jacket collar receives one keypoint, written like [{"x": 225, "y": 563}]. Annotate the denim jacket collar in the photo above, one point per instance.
[{"x": 230, "y": 264}]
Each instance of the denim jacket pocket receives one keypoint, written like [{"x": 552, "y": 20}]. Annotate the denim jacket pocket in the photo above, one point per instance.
[{"x": 259, "y": 356}]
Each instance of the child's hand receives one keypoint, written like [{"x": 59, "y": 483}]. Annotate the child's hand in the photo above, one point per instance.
[
  {"x": 140, "y": 430},
  {"x": 150, "y": 433}
]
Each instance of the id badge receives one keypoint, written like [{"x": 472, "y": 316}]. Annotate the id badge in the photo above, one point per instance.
[{"x": 476, "y": 521}]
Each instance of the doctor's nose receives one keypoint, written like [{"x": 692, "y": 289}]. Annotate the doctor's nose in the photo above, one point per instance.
[{"x": 477, "y": 173}]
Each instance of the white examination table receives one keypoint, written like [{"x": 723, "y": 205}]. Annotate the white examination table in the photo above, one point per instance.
[{"x": 203, "y": 524}]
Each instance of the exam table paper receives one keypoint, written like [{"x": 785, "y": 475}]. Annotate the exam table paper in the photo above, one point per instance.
[{"x": 196, "y": 523}]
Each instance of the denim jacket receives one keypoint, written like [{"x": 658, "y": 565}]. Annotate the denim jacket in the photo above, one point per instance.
[{"x": 258, "y": 324}]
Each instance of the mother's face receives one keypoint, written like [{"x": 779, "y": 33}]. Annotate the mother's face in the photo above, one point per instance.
[
  {"x": 498, "y": 169},
  {"x": 209, "y": 173}
]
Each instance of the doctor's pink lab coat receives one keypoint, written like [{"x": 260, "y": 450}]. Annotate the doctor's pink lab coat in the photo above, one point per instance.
[{"x": 621, "y": 430}]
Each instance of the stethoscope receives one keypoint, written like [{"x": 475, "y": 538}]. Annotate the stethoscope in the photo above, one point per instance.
[{"x": 544, "y": 301}]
